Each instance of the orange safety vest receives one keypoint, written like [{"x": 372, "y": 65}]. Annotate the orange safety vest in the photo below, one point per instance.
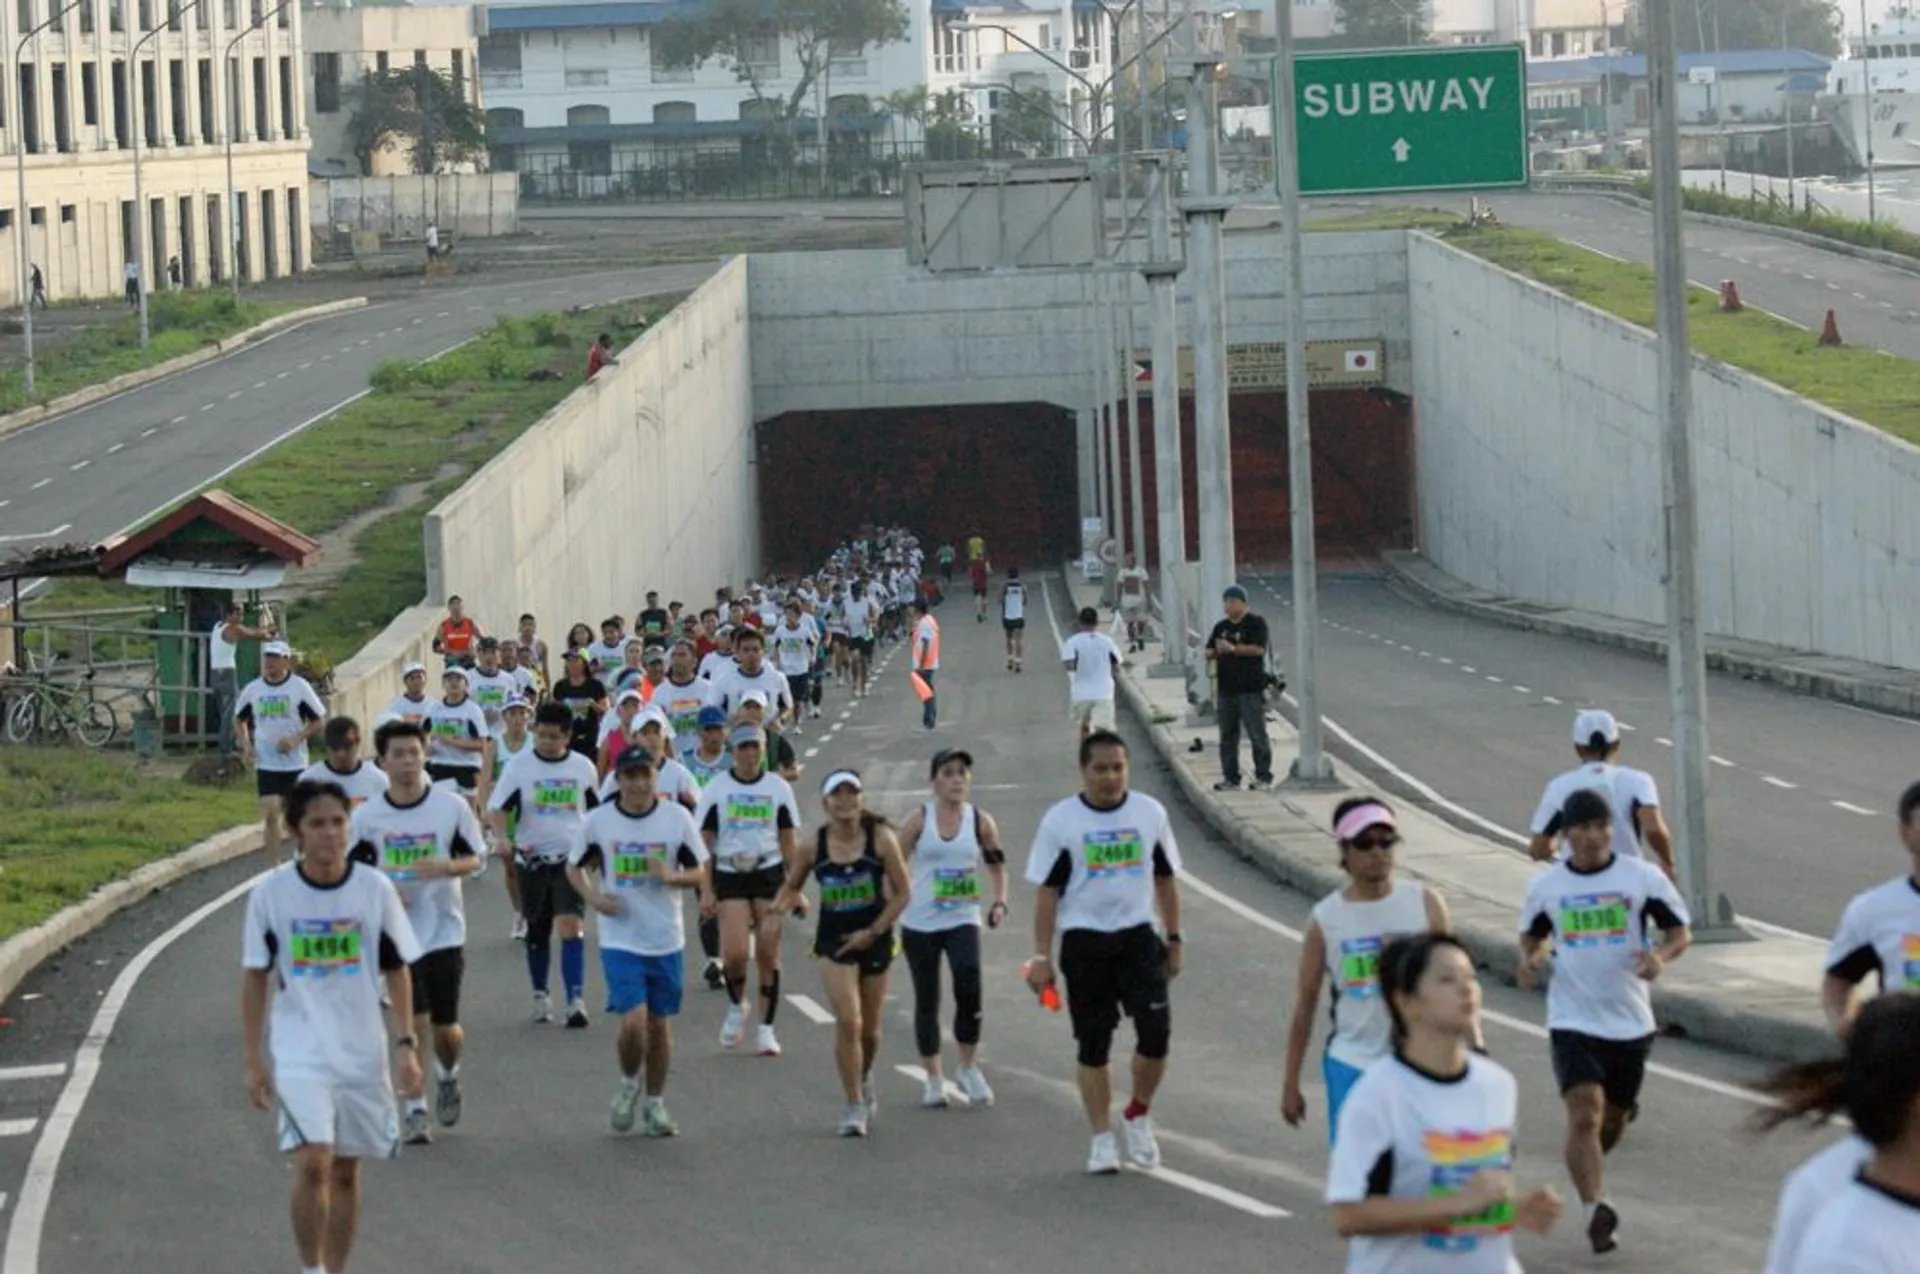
[{"x": 931, "y": 659}]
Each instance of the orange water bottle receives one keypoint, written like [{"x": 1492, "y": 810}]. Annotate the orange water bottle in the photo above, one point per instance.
[{"x": 1049, "y": 994}]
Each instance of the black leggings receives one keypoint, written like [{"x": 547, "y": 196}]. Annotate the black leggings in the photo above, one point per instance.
[{"x": 923, "y": 950}]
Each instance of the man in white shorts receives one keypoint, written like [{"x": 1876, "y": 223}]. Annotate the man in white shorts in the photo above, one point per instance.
[{"x": 1093, "y": 660}]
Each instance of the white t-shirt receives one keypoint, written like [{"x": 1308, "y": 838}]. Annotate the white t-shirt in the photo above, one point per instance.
[
  {"x": 746, "y": 819},
  {"x": 730, "y": 683},
  {"x": 276, "y": 712},
  {"x": 1598, "y": 923},
  {"x": 793, "y": 647},
  {"x": 1013, "y": 601},
  {"x": 1362, "y": 1030},
  {"x": 363, "y": 783},
  {"x": 682, "y": 705},
  {"x": 1864, "y": 1230},
  {"x": 1093, "y": 656},
  {"x": 1808, "y": 1190},
  {"x": 671, "y": 781},
  {"x": 608, "y": 657},
  {"x": 222, "y": 655},
  {"x": 552, "y": 799},
  {"x": 1133, "y": 587},
  {"x": 713, "y": 663},
  {"x": 1627, "y": 790},
  {"x": 392, "y": 838},
  {"x": 1103, "y": 861},
  {"x": 926, "y": 644},
  {"x": 409, "y": 709},
  {"x": 619, "y": 845},
  {"x": 1433, "y": 1135},
  {"x": 463, "y": 720},
  {"x": 491, "y": 690},
  {"x": 328, "y": 946},
  {"x": 1880, "y": 933},
  {"x": 859, "y": 612}
]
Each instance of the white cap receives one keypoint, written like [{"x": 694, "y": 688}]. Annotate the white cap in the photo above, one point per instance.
[
  {"x": 410, "y": 669},
  {"x": 279, "y": 648},
  {"x": 754, "y": 696},
  {"x": 1592, "y": 721},
  {"x": 653, "y": 716},
  {"x": 630, "y": 696}
]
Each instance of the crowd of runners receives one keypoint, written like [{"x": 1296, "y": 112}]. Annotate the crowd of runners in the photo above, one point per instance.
[{"x": 650, "y": 772}]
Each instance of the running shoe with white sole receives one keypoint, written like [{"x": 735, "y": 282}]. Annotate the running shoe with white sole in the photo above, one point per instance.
[
  {"x": 870, "y": 1096},
  {"x": 974, "y": 1085},
  {"x": 418, "y": 1133},
  {"x": 733, "y": 1028},
  {"x": 1604, "y": 1228},
  {"x": 624, "y": 1102},
  {"x": 1142, "y": 1147},
  {"x": 715, "y": 976},
  {"x": 1103, "y": 1156},
  {"x": 576, "y": 1014},
  {"x": 658, "y": 1122},
  {"x": 542, "y": 1008},
  {"x": 446, "y": 1100},
  {"x": 853, "y": 1120},
  {"x": 519, "y": 929},
  {"x": 934, "y": 1095},
  {"x": 765, "y": 1043}
]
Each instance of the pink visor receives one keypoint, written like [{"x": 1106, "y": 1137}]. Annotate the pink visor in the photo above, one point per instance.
[{"x": 1361, "y": 817}]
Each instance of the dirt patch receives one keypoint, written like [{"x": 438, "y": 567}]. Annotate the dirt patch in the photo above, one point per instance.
[{"x": 336, "y": 546}]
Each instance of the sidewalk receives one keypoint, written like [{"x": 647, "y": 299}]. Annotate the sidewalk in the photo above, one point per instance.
[
  {"x": 1895, "y": 690},
  {"x": 1760, "y": 996}
]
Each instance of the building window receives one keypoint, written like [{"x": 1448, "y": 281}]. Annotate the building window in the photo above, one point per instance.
[
  {"x": 586, "y": 78},
  {"x": 380, "y": 63},
  {"x": 587, "y": 116},
  {"x": 89, "y": 93},
  {"x": 66, "y": 214},
  {"x": 590, "y": 159},
  {"x": 664, "y": 72},
  {"x": 326, "y": 83},
  {"x": 420, "y": 58},
  {"x": 86, "y": 17},
  {"x": 460, "y": 74},
  {"x": 762, "y": 54},
  {"x": 506, "y": 117},
  {"x": 286, "y": 98},
  {"x": 500, "y": 61},
  {"x": 675, "y": 113},
  {"x": 848, "y": 61}
]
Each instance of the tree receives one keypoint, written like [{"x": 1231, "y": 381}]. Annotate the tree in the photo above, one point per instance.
[
  {"x": 741, "y": 32},
  {"x": 1382, "y": 24},
  {"x": 416, "y": 109}
]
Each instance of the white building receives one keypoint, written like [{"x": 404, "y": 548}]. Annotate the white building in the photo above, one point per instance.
[
  {"x": 80, "y": 96},
  {"x": 344, "y": 44}
]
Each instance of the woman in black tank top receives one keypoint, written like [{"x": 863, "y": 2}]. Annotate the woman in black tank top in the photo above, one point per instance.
[{"x": 863, "y": 889}]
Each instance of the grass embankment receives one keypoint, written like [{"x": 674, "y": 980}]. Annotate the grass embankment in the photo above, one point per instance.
[
  {"x": 1884, "y": 235},
  {"x": 177, "y": 323},
  {"x": 78, "y": 820}
]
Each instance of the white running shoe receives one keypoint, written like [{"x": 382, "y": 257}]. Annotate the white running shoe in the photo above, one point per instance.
[
  {"x": 519, "y": 928},
  {"x": 765, "y": 1043},
  {"x": 734, "y": 1027},
  {"x": 853, "y": 1120},
  {"x": 869, "y": 1096},
  {"x": 624, "y": 1103},
  {"x": 1141, "y": 1146},
  {"x": 1103, "y": 1156},
  {"x": 974, "y": 1085},
  {"x": 576, "y": 1014},
  {"x": 542, "y": 1008},
  {"x": 934, "y": 1095},
  {"x": 418, "y": 1132},
  {"x": 658, "y": 1122}
]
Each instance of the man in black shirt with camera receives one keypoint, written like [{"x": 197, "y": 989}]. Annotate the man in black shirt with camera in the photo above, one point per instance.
[{"x": 1238, "y": 648}]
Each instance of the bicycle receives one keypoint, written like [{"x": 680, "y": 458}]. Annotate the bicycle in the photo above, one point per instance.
[{"x": 42, "y": 709}]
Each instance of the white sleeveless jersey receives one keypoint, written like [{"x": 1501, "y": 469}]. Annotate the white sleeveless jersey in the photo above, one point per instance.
[
  {"x": 1355, "y": 932},
  {"x": 1013, "y": 601},
  {"x": 946, "y": 875}
]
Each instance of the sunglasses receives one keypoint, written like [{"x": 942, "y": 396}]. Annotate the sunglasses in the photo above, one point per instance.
[{"x": 1375, "y": 842}]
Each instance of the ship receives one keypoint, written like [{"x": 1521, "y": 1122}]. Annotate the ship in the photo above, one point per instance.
[{"x": 1873, "y": 94}]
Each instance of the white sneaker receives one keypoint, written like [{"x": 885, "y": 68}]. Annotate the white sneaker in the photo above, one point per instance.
[
  {"x": 733, "y": 1028},
  {"x": 1103, "y": 1156},
  {"x": 853, "y": 1120},
  {"x": 542, "y": 1007},
  {"x": 869, "y": 1096},
  {"x": 624, "y": 1102},
  {"x": 764, "y": 1042},
  {"x": 974, "y": 1085},
  {"x": 576, "y": 1014},
  {"x": 1141, "y": 1146},
  {"x": 519, "y": 928},
  {"x": 934, "y": 1095}
]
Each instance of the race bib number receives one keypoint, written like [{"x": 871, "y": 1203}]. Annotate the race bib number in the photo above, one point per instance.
[
  {"x": 1360, "y": 968},
  {"x": 555, "y": 796},
  {"x": 323, "y": 948},
  {"x": 491, "y": 697},
  {"x": 401, "y": 852},
  {"x": 955, "y": 888},
  {"x": 1910, "y": 960},
  {"x": 1456, "y": 1157},
  {"x": 448, "y": 727},
  {"x": 849, "y": 893},
  {"x": 273, "y": 708},
  {"x": 1594, "y": 920},
  {"x": 748, "y": 813},
  {"x": 631, "y": 865},
  {"x": 1115, "y": 854}
]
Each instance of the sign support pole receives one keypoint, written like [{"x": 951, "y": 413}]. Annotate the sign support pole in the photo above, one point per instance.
[
  {"x": 1206, "y": 212},
  {"x": 1170, "y": 503}
]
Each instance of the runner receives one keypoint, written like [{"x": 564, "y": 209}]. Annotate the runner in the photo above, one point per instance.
[
  {"x": 584, "y": 696},
  {"x": 1588, "y": 914},
  {"x": 1879, "y": 932},
  {"x": 411, "y": 704},
  {"x": 1132, "y": 581},
  {"x": 720, "y": 658},
  {"x": 454, "y": 639},
  {"x": 1630, "y": 793},
  {"x": 863, "y": 889},
  {"x": 620, "y": 731},
  {"x": 551, "y": 789},
  {"x": 945, "y": 558},
  {"x": 752, "y": 672},
  {"x": 795, "y": 642},
  {"x": 1094, "y": 663},
  {"x": 1343, "y": 942},
  {"x": 640, "y": 849},
  {"x": 947, "y": 841},
  {"x": 926, "y": 658},
  {"x": 489, "y": 684},
  {"x": 653, "y": 622},
  {"x": 1422, "y": 1170},
  {"x": 360, "y": 779},
  {"x": 748, "y": 818},
  {"x": 682, "y": 696},
  {"x": 709, "y": 758},
  {"x": 425, "y": 839},
  {"x": 1013, "y": 619},
  {"x": 324, "y": 937},
  {"x": 1104, "y": 861},
  {"x": 607, "y": 654},
  {"x": 458, "y": 729},
  {"x": 275, "y": 716},
  {"x": 630, "y": 671},
  {"x": 671, "y": 780},
  {"x": 1857, "y": 1190},
  {"x": 837, "y": 636},
  {"x": 517, "y": 664},
  {"x": 976, "y": 548},
  {"x": 514, "y": 739},
  {"x": 533, "y": 647},
  {"x": 977, "y": 570},
  {"x": 860, "y": 617}
]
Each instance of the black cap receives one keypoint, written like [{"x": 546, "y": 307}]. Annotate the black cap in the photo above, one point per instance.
[
  {"x": 945, "y": 755},
  {"x": 489, "y": 643},
  {"x": 635, "y": 759}
]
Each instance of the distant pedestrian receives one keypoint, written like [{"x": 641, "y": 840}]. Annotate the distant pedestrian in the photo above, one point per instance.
[
  {"x": 223, "y": 686},
  {"x": 433, "y": 241},
  {"x": 39, "y": 285},
  {"x": 1094, "y": 661},
  {"x": 1133, "y": 602},
  {"x": 601, "y": 355},
  {"x": 132, "y": 276},
  {"x": 173, "y": 273},
  {"x": 926, "y": 658},
  {"x": 945, "y": 557},
  {"x": 1238, "y": 648}
]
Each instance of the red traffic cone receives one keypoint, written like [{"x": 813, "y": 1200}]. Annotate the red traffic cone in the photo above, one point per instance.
[
  {"x": 1729, "y": 295},
  {"x": 1830, "y": 330}
]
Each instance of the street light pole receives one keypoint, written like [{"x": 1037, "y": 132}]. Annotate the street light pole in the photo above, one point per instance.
[
  {"x": 22, "y": 222},
  {"x": 1170, "y": 505},
  {"x": 232, "y": 126},
  {"x": 1866, "y": 105},
  {"x": 1206, "y": 210}
]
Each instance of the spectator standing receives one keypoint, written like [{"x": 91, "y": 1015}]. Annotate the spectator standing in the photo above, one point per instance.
[{"x": 1237, "y": 648}]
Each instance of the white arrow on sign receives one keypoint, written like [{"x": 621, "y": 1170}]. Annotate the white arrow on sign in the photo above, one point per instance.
[
  {"x": 1401, "y": 150},
  {"x": 41, "y": 535}
]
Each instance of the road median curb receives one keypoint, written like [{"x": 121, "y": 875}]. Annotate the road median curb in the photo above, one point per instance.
[
  {"x": 21, "y": 954},
  {"x": 147, "y": 375}
]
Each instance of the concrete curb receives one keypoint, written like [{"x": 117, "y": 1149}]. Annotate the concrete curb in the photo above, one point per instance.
[
  {"x": 1890, "y": 697},
  {"x": 147, "y": 375},
  {"x": 1876, "y": 255},
  {"x": 21, "y": 954},
  {"x": 1687, "y": 1014}
]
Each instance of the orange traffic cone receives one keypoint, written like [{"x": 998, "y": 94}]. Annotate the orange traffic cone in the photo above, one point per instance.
[
  {"x": 1729, "y": 295},
  {"x": 1830, "y": 330}
]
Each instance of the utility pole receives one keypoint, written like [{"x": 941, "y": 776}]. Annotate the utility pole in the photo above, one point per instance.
[
  {"x": 1170, "y": 505},
  {"x": 1206, "y": 211}
]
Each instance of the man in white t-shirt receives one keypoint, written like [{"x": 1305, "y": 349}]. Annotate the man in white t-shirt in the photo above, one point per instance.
[
  {"x": 1093, "y": 660},
  {"x": 277, "y": 715},
  {"x": 1132, "y": 584},
  {"x": 223, "y": 650},
  {"x": 1631, "y": 794},
  {"x": 1879, "y": 933}
]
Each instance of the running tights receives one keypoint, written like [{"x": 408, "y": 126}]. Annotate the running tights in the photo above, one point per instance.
[{"x": 961, "y": 947}]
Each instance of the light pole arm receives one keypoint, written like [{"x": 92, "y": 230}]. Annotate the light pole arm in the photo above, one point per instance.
[{"x": 1029, "y": 46}]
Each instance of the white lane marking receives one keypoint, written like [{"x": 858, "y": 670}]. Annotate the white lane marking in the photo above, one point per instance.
[
  {"x": 178, "y": 420},
  {"x": 1850, "y": 808},
  {"x": 326, "y": 358},
  {"x": 1445, "y": 660},
  {"x": 955, "y": 1094},
  {"x": 116, "y": 448},
  {"x": 1859, "y": 296},
  {"x": 1596, "y": 251},
  {"x": 235, "y": 394},
  {"x": 1516, "y": 1024},
  {"x": 303, "y": 367},
  {"x": 37, "y": 535},
  {"x": 78, "y": 465},
  {"x": 44, "y": 482},
  {"x": 444, "y": 314},
  {"x": 36, "y": 1192},
  {"x": 1522, "y": 690},
  {"x": 5, "y": 503},
  {"x": 1721, "y": 761},
  {"x": 17, "y": 1127},
  {"x": 280, "y": 376},
  {"x": 48, "y": 1070},
  {"x": 259, "y": 384},
  {"x": 1495, "y": 680},
  {"x": 209, "y": 406},
  {"x": 148, "y": 433},
  {"x": 1779, "y": 783},
  {"x": 811, "y": 753},
  {"x": 1627, "y": 728},
  {"x": 1426, "y": 654},
  {"x": 1468, "y": 668},
  {"x": 1219, "y": 1194},
  {"x": 1663, "y": 741},
  {"x": 812, "y": 1008}
]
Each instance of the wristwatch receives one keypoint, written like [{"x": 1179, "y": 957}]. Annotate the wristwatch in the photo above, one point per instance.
[
  {"x": 406, "y": 1041},
  {"x": 1174, "y": 940}
]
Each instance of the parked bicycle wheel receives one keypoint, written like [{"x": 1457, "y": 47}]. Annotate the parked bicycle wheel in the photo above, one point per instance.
[
  {"x": 93, "y": 721},
  {"x": 23, "y": 718}
]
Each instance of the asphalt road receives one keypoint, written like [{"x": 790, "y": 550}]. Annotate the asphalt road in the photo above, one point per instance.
[
  {"x": 1801, "y": 790},
  {"x": 533, "y": 1179},
  {"x": 88, "y": 474}
]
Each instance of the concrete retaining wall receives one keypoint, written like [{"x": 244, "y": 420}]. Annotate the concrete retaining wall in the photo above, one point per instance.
[
  {"x": 1555, "y": 496},
  {"x": 464, "y": 204},
  {"x": 836, "y": 331},
  {"x": 642, "y": 478}
]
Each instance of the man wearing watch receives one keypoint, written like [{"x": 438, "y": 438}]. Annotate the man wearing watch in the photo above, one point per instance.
[{"x": 1103, "y": 862}]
